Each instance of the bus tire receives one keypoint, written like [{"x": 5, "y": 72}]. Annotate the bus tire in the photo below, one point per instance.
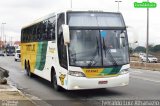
[
  {"x": 26, "y": 69},
  {"x": 54, "y": 82},
  {"x": 25, "y": 65},
  {"x": 29, "y": 71}
]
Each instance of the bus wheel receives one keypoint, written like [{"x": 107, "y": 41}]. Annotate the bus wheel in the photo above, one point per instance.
[
  {"x": 29, "y": 71},
  {"x": 54, "y": 82}
]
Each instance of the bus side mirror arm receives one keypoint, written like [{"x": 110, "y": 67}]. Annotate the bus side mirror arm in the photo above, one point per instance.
[{"x": 66, "y": 34}]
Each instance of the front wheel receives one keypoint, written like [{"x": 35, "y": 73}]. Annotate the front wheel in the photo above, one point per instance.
[{"x": 55, "y": 85}]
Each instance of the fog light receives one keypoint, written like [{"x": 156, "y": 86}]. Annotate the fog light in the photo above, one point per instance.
[{"x": 76, "y": 87}]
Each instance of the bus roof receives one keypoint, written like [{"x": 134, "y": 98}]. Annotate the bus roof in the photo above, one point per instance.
[{"x": 55, "y": 13}]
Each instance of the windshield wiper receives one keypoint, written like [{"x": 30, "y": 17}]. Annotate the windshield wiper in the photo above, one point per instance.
[
  {"x": 94, "y": 56},
  {"x": 97, "y": 45},
  {"x": 108, "y": 52},
  {"x": 92, "y": 61}
]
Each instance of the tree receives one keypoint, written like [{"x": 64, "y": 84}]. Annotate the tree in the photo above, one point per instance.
[
  {"x": 156, "y": 48},
  {"x": 140, "y": 49},
  {"x": 151, "y": 47},
  {"x": 130, "y": 50}
]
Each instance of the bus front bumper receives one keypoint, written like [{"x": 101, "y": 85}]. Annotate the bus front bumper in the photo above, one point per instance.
[{"x": 75, "y": 83}]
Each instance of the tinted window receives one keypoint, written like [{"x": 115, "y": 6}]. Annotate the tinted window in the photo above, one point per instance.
[
  {"x": 51, "y": 28},
  {"x": 62, "y": 52},
  {"x": 95, "y": 19},
  {"x": 42, "y": 31}
]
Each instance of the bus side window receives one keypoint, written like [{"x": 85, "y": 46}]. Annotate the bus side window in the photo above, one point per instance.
[
  {"x": 27, "y": 36},
  {"x": 38, "y": 32},
  {"x": 34, "y": 33},
  {"x": 31, "y": 37},
  {"x": 44, "y": 30},
  {"x": 30, "y": 34},
  {"x": 22, "y": 36},
  {"x": 51, "y": 29},
  {"x": 41, "y": 31}
]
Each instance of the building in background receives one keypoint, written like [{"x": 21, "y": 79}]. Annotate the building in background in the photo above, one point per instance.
[
  {"x": 1, "y": 44},
  {"x": 17, "y": 44}
]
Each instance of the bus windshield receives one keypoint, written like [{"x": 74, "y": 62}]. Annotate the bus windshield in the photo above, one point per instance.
[{"x": 98, "y": 48}]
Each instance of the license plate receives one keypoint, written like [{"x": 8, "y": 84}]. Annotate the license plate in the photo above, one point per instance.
[{"x": 102, "y": 82}]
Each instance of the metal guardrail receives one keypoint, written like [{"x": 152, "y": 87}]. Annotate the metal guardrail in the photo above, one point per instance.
[{"x": 3, "y": 73}]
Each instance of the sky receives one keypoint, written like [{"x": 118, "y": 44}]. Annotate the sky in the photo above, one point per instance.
[{"x": 18, "y": 13}]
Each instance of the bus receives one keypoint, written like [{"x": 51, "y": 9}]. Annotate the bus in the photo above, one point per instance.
[
  {"x": 77, "y": 49},
  {"x": 10, "y": 50}
]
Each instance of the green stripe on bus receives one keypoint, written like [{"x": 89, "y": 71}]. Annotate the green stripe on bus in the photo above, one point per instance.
[
  {"x": 111, "y": 71},
  {"x": 41, "y": 55}
]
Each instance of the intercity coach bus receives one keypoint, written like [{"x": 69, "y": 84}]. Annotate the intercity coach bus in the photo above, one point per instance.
[{"x": 77, "y": 49}]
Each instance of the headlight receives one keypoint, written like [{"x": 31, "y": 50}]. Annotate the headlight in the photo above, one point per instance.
[
  {"x": 76, "y": 73},
  {"x": 124, "y": 71}
]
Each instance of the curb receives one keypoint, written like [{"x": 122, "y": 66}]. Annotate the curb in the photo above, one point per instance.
[{"x": 6, "y": 89}]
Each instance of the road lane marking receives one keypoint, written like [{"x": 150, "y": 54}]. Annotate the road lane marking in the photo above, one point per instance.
[
  {"x": 146, "y": 79},
  {"x": 139, "y": 72},
  {"x": 145, "y": 71}
]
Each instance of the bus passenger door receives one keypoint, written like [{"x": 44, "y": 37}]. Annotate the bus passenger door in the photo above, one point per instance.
[{"x": 62, "y": 54}]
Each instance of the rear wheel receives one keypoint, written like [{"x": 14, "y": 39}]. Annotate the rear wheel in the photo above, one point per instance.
[
  {"x": 142, "y": 60},
  {"x": 28, "y": 71}
]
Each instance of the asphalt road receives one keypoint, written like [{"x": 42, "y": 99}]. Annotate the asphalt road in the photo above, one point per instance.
[{"x": 144, "y": 85}]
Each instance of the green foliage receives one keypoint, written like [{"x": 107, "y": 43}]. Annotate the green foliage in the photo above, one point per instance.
[
  {"x": 140, "y": 49},
  {"x": 151, "y": 48},
  {"x": 130, "y": 50},
  {"x": 156, "y": 48}
]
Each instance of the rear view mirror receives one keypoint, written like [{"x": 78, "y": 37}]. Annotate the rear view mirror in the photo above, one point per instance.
[
  {"x": 122, "y": 35},
  {"x": 66, "y": 35},
  {"x": 122, "y": 39}
]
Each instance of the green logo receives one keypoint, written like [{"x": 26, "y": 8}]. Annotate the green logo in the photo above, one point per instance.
[{"x": 145, "y": 4}]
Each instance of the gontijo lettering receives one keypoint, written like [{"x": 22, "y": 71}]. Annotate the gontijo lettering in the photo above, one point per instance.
[{"x": 91, "y": 70}]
